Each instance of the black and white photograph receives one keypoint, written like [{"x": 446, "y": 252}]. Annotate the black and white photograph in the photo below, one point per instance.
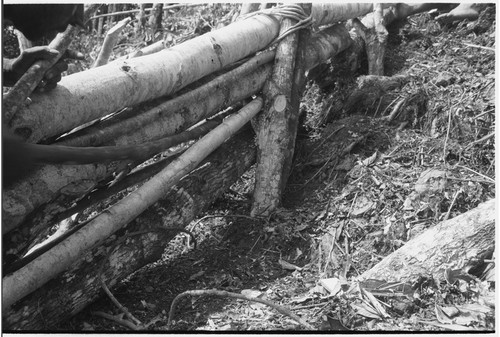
[{"x": 294, "y": 168}]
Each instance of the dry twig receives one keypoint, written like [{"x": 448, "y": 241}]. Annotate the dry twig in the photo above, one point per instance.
[
  {"x": 222, "y": 293},
  {"x": 116, "y": 319},
  {"x": 120, "y": 241}
]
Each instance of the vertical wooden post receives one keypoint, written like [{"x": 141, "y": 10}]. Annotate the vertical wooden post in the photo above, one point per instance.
[{"x": 277, "y": 128}]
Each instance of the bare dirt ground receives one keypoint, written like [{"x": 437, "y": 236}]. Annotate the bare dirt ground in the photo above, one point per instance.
[{"x": 354, "y": 205}]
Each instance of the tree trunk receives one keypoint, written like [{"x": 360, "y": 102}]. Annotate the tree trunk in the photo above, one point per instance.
[
  {"x": 69, "y": 293},
  {"x": 156, "y": 17},
  {"x": 375, "y": 36},
  {"x": 52, "y": 188},
  {"x": 333, "y": 12},
  {"x": 38, "y": 227},
  {"x": 87, "y": 95},
  {"x": 100, "y": 24},
  {"x": 314, "y": 55},
  {"x": 451, "y": 244},
  {"x": 370, "y": 35},
  {"x": 110, "y": 20},
  {"x": 47, "y": 266},
  {"x": 277, "y": 127},
  {"x": 141, "y": 19}
]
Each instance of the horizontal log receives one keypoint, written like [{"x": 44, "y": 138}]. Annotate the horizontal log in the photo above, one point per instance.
[
  {"x": 451, "y": 244},
  {"x": 91, "y": 94},
  {"x": 335, "y": 12},
  {"x": 156, "y": 119},
  {"x": 51, "y": 181},
  {"x": 54, "y": 182},
  {"x": 69, "y": 293},
  {"x": 47, "y": 266}
]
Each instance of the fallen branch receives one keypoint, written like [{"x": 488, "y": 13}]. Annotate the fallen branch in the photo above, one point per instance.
[
  {"x": 201, "y": 102},
  {"x": 39, "y": 224},
  {"x": 41, "y": 189},
  {"x": 18, "y": 94},
  {"x": 119, "y": 242},
  {"x": 47, "y": 266},
  {"x": 451, "y": 244},
  {"x": 480, "y": 47},
  {"x": 109, "y": 43},
  {"x": 117, "y": 186},
  {"x": 117, "y": 303},
  {"x": 489, "y": 179},
  {"x": 69, "y": 293},
  {"x": 483, "y": 139},
  {"x": 116, "y": 319},
  {"x": 85, "y": 96},
  {"x": 222, "y": 293},
  {"x": 151, "y": 49}
]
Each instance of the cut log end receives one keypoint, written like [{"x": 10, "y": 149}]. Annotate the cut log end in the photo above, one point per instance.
[{"x": 280, "y": 103}]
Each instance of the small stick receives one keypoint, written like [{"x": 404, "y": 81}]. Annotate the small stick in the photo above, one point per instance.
[
  {"x": 115, "y": 319},
  {"x": 120, "y": 241},
  {"x": 222, "y": 293},
  {"x": 309, "y": 306},
  {"x": 479, "y": 174},
  {"x": 116, "y": 302},
  {"x": 485, "y": 138},
  {"x": 480, "y": 47},
  {"x": 452, "y": 203}
]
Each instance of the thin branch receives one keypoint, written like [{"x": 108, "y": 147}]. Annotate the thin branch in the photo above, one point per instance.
[
  {"x": 116, "y": 302},
  {"x": 226, "y": 216},
  {"x": 222, "y": 293},
  {"x": 120, "y": 241},
  {"x": 452, "y": 204},
  {"x": 115, "y": 319},
  {"x": 447, "y": 135},
  {"x": 479, "y": 174},
  {"x": 485, "y": 138},
  {"x": 480, "y": 47}
]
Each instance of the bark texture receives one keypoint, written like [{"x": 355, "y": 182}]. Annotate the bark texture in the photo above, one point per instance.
[
  {"x": 451, "y": 244},
  {"x": 52, "y": 188},
  {"x": 69, "y": 293},
  {"x": 85, "y": 96},
  {"x": 47, "y": 266},
  {"x": 275, "y": 127}
]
